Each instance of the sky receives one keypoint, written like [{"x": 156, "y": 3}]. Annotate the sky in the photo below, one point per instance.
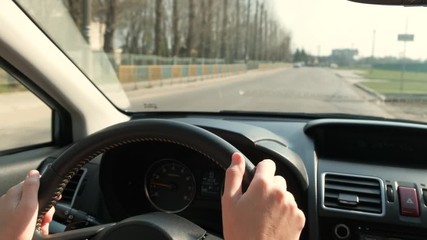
[{"x": 319, "y": 26}]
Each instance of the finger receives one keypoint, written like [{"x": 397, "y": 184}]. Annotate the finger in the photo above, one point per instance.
[
  {"x": 46, "y": 220},
  {"x": 281, "y": 182},
  {"x": 30, "y": 187},
  {"x": 13, "y": 195},
  {"x": 234, "y": 176},
  {"x": 290, "y": 199},
  {"x": 300, "y": 219},
  {"x": 265, "y": 170}
]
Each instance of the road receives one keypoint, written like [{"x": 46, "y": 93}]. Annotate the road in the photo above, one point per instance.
[
  {"x": 26, "y": 120},
  {"x": 311, "y": 90}
]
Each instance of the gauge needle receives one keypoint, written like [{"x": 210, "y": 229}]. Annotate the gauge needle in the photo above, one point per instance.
[{"x": 165, "y": 185}]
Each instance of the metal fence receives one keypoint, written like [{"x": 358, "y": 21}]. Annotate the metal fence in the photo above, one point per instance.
[{"x": 138, "y": 59}]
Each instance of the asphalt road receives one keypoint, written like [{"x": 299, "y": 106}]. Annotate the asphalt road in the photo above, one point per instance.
[
  {"x": 310, "y": 90},
  {"x": 25, "y": 120}
]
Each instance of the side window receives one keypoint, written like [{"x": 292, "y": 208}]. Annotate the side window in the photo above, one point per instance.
[{"x": 24, "y": 119}]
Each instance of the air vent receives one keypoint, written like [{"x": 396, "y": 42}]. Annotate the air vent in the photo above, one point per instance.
[
  {"x": 354, "y": 193},
  {"x": 70, "y": 190}
]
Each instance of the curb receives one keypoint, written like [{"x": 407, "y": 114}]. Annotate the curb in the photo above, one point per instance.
[
  {"x": 371, "y": 92},
  {"x": 406, "y": 98},
  {"x": 394, "y": 97}
]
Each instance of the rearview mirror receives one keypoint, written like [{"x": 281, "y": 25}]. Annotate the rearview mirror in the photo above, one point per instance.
[{"x": 394, "y": 2}]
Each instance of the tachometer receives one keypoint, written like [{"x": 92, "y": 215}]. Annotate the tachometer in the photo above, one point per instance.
[{"x": 170, "y": 186}]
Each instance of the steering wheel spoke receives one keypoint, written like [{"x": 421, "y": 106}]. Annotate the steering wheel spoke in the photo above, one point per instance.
[{"x": 78, "y": 234}]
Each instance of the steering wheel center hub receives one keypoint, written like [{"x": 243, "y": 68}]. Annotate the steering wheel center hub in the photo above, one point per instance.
[{"x": 159, "y": 226}]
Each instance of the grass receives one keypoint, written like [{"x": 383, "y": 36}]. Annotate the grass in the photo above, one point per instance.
[
  {"x": 387, "y": 81},
  {"x": 8, "y": 84},
  {"x": 6, "y": 88}
]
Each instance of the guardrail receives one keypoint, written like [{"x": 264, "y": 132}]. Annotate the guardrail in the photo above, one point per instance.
[
  {"x": 138, "y": 59},
  {"x": 153, "y": 74},
  {"x": 135, "y": 76}
]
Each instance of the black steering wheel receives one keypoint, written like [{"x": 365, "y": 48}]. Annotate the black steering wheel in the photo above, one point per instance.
[{"x": 148, "y": 226}]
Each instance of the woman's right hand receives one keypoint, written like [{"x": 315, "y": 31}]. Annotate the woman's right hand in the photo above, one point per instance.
[{"x": 265, "y": 211}]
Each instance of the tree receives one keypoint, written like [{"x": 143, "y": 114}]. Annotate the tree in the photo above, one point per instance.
[
  {"x": 236, "y": 47},
  {"x": 223, "y": 50},
  {"x": 110, "y": 25},
  {"x": 207, "y": 51},
  {"x": 133, "y": 23},
  {"x": 255, "y": 36},
  {"x": 202, "y": 29},
  {"x": 175, "y": 25},
  {"x": 75, "y": 9},
  {"x": 247, "y": 32},
  {"x": 191, "y": 19},
  {"x": 231, "y": 30},
  {"x": 158, "y": 27},
  {"x": 302, "y": 56}
]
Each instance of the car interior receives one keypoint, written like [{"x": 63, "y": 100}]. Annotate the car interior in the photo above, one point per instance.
[{"x": 121, "y": 172}]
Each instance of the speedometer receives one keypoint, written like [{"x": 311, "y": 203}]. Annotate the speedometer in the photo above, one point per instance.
[{"x": 170, "y": 186}]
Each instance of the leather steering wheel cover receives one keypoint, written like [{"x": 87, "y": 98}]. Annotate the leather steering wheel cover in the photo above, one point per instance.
[{"x": 57, "y": 176}]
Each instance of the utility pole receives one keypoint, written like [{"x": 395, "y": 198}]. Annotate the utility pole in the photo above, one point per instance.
[
  {"x": 402, "y": 73},
  {"x": 373, "y": 44},
  {"x": 86, "y": 7},
  {"x": 374, "y": 34}
]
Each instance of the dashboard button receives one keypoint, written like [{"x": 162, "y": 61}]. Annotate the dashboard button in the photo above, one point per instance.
[
  {"x": 425, "y": 196},
  {"x": 408, "y": 202},
  {"x": 390, "y": 193}
]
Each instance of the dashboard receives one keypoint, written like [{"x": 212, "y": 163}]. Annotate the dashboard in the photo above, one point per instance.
[
  {"x": 353, "y": 179},
  {"x": 162, "y": 177},
  {"x": 371, "y": 179}
]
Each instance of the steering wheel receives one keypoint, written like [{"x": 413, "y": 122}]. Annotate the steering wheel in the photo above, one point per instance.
[{"x": 148, "y": 226}]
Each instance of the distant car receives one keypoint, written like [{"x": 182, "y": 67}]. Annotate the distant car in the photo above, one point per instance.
[{"x": 298, "y": 65}]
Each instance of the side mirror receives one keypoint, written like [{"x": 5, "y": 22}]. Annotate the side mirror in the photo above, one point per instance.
[{"x": 394, "y": 2}]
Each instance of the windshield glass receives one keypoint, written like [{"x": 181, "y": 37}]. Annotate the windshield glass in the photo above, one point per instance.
[{"x": 282, "y": 56}]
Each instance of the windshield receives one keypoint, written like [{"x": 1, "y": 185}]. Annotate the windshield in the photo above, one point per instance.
[{"x": 281, "y": 56}]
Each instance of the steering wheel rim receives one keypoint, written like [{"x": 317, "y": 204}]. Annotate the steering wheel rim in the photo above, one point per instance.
[{"x": 60, "y": 172}]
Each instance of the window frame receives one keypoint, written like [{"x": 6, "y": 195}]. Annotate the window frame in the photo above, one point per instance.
[{"x": 61, "y": 127}]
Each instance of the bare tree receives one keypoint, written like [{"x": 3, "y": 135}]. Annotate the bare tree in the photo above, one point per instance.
[
  {"x": 255, "y": 36},
  {"x": 110, "y": 25},
  {"x": 175, "y": 30},
  {"x": 202, "y": 28},
  {"x": 75, "y": 9},
  {"x": 158, "y": 27},
  {"x": 231, "y": 30},
  {"x": 207, "y": 51},
  {"x": 191, "y": 19},
  {"x": 247, "y": 32},
  {"x": 224, "y": 36},
  {"x": 237, "y": 47},
  {"x": 132, "y": 23}
]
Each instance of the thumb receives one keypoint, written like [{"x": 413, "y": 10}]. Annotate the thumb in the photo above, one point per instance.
[
  {"x": 234, "y": 177},
  {"x": 29, "y": 199}
]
